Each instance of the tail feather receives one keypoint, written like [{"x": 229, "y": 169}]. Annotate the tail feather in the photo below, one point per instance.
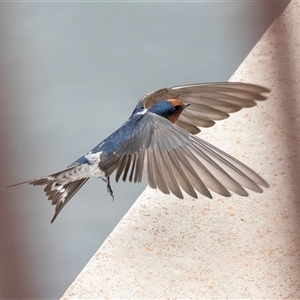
[
  {"x": 58, "y": 192},
  {"x": 60, "y": 187},
  {"x": 63, "y": 194}
]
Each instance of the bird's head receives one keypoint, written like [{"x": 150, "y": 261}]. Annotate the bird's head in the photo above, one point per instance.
[{"x": 169, "y": 109}]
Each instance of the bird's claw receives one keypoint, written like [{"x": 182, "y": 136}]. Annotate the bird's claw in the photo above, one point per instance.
[
  {"x": 108, "y": 186},
  {"x": 109, "y": 189}
]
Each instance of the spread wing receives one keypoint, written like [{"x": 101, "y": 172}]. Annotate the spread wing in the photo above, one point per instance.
[
  {"x": 174, "y": 160},
  {"x": 210, "y": 101}
]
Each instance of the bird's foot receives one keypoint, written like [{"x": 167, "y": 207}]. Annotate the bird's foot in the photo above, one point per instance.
[
  {"x": 108, "y": 186},
  {"x": 109, "y": 189}
]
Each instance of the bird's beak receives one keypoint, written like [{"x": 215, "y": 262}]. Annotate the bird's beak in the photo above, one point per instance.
[{"x": 186, "y": 105}]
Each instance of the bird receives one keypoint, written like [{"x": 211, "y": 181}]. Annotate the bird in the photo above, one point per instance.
[{"x": 160, "y": 141}]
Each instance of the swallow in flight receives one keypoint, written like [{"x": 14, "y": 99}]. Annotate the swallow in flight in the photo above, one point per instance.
[{"x": 159, "y": 140}]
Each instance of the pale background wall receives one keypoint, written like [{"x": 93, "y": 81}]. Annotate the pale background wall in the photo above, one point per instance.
[{"x": 70, "y": 74}]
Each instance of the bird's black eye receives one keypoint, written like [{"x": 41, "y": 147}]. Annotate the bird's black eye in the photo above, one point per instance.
[{"x": 176, "y": 109}]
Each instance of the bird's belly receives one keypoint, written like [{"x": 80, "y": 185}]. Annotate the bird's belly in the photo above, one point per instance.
[{"x": 79, "y": 172}]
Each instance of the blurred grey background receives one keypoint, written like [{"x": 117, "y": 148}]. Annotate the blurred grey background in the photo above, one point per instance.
[{"x": 70, "y": 74}]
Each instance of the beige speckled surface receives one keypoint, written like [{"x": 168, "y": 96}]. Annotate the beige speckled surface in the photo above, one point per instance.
[{"x": 226, "y": 247}]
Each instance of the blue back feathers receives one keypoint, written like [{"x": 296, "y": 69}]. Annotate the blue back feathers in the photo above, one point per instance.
[{"x": 169, "y": 109}]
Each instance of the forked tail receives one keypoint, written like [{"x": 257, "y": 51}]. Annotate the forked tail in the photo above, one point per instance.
[{"x": 60, "y": 187}]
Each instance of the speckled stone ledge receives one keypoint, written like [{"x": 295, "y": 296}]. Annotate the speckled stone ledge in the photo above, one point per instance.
[{"x": 234, "y": 247}]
